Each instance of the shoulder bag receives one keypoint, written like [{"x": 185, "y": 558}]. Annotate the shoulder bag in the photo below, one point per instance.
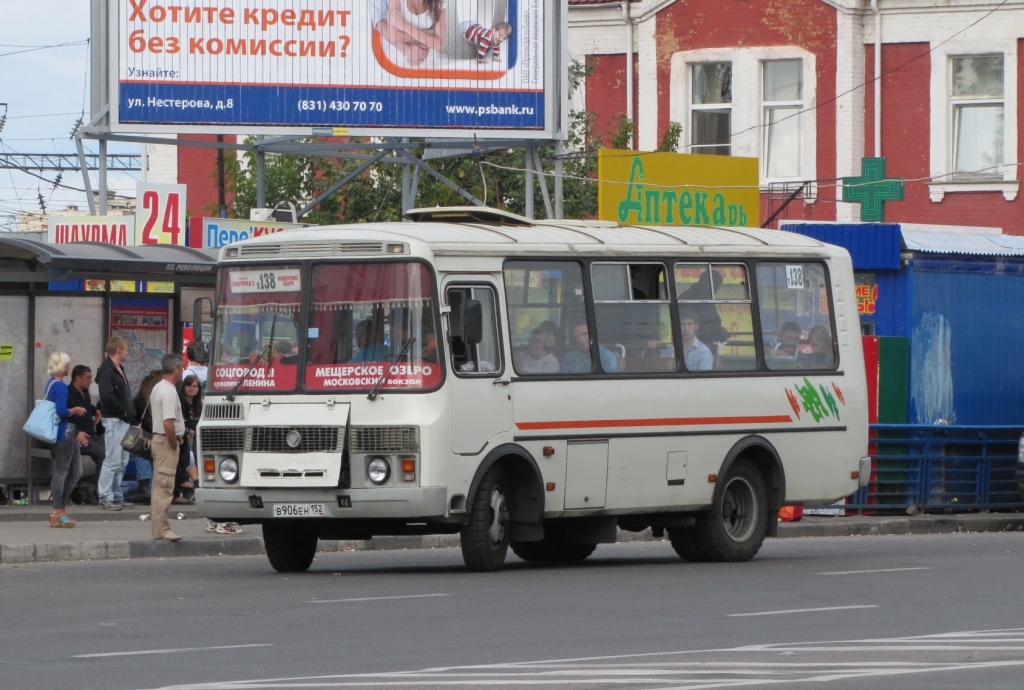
[
  {"x": 138, "y": 441},
  {"x": 43, "y": 423}
]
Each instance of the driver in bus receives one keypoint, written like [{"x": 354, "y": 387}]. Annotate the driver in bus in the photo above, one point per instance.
[
  {"x": 370, "y": 347},
  {"x": 578, "y": 361},
  {"x": 427, "y": 341}
]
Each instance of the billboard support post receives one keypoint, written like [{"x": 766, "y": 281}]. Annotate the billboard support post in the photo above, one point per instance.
[
  {"x": 529, "y": 185},
  {"x": 102, "y": 183},
  {"x": 559, "y": 169},
  {"x": 261, "y": 174},
  {"x": 85, "y": 175}
]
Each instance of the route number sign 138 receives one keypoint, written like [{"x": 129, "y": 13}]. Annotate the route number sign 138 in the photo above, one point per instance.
[{"x": 160, "y": 214}]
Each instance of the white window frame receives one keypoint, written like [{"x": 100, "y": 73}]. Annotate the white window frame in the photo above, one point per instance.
[
  {"x": 766, "y": 107},
  {"x": 696, "y": 107},
  {"x": 943, "y": 125},
  {"x": 747, "y": 106}
]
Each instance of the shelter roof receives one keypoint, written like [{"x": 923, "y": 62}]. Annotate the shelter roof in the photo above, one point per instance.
[{"x": 95, "y": 259}]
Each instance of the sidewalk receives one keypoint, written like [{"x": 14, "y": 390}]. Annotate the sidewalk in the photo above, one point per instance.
[{"x": 26, "y": 535}]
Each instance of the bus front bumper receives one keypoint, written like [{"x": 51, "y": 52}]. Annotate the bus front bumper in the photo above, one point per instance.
[{"x": 265, "y": 505}]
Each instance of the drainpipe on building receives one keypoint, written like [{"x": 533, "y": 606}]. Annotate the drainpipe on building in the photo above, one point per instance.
[
  {"x": 629, "y": 66},
  {"x": 878, "y": 77}
]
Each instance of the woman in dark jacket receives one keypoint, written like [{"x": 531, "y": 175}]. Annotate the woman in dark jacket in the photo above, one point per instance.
[
  {"x": 191, "y": 397},
  {"x": 144, "y": 418}
]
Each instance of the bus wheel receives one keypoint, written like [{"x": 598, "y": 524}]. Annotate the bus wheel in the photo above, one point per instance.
[
  {"x": 735, "y": 528},
  {"x": 684, "y": 541},
  {"x": 485, "y": 536},
  {"x": 552, "y": 551},
  {"x": 290, "y": 548}
]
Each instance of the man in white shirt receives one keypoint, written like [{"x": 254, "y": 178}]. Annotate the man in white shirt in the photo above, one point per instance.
[{"x": 168, "y": 430}]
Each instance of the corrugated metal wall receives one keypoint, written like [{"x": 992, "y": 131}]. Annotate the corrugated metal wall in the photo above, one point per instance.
[{"x": 966, "y": 339}]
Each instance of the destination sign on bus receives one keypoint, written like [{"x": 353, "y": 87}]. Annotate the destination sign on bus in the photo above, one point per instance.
[
  {"x": 279, "y": 377},
  {"x": 401, "y": 375},
  {"x": 270, "y": 280}
]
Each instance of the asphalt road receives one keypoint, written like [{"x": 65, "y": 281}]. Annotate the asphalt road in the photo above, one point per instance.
[{"x": 942, "y": 611}]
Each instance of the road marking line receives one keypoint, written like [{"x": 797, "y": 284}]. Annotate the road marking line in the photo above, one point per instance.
[
  {"x": 861, "y": 572},
  {"x": 345, "y": 601},
  {"x": 168, "y": 651},
  {"x": 824, "y": 608}
]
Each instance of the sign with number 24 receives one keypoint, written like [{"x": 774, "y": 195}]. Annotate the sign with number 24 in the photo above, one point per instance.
[{"x": 160, "y": 214}]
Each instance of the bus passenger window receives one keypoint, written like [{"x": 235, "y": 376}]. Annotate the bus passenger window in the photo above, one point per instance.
[
  {"x": 544, "y": 299},
  {"x": 634, "y": 325},
  {"x": 796, "y": 320},
  {"x": 718, "y": 296},
  {"x": 469, "y": 358}
]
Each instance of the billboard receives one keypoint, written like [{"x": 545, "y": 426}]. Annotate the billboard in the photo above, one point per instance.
[
  {"x": 637, "y": 188},
  {"x": 117, "y": 230},
  {"x": 338, "y": 67}
]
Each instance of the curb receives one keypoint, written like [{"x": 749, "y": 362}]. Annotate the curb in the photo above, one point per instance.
[{"x": 251, "y": 546}]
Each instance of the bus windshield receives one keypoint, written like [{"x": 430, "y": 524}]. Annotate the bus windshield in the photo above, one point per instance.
[
  {"x": 258, "y": 315},
  {"x": 362, "y": 318}
]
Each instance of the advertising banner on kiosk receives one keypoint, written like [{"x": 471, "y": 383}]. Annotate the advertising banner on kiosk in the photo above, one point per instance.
[
  {"x": 218, "y": 232},
  {"x": 339, "y": 67}
]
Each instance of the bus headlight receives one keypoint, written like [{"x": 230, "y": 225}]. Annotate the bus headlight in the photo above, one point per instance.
[
  {"x": 379, "y": 470},
  {"x": 229, "y": 470}
]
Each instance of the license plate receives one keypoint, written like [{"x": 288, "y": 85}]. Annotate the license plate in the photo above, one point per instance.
[{"x": 293, "y": 510}]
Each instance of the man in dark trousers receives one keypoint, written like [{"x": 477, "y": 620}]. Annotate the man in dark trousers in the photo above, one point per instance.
[
  {"x": 90, "y": 442},
  {"x": 118, "y": 414}
]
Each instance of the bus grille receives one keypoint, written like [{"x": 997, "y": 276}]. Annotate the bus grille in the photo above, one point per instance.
[
  {"x": 313, "y": 439},
  {"x": 223, "y": 411},
  {"x": 385, "y": 439},
  {"x": 220, "y": 439}
]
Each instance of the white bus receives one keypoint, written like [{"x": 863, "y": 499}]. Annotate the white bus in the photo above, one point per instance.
[{"x": 537, "y": 385}]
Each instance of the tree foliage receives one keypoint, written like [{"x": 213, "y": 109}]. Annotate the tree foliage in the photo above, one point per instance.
[{"x": 496, "y": 177}]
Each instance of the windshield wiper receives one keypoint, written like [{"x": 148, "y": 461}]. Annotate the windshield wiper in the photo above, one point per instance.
[
  {"x": 387, "y": 369},
  {"x": 263, "y": 356}
]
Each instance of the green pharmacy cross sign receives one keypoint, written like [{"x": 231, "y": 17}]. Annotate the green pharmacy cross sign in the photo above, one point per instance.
[{"x": 872, "y": 190}]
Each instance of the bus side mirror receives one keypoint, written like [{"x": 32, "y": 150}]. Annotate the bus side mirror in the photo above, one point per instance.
[
  {"x": 199, "y": 309},
  {"x": 472, "y": 321}
]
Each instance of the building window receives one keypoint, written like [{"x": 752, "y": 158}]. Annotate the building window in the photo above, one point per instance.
[
  {"x": 977, "y": 100},
  {"x": 711, "y": 109},
  {"x": 782, "y": 101}
]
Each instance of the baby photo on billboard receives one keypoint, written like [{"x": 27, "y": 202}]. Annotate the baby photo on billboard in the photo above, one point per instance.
[{"x": 446, "y": 39}]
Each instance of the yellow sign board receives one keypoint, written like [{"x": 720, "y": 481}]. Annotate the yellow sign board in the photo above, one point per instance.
[
  {"x": 677, "y": 189},
  {"x": 6, "y": 352}
]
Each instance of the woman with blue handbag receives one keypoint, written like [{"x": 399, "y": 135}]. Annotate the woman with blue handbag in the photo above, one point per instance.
[{"x": 67, "y": 462}]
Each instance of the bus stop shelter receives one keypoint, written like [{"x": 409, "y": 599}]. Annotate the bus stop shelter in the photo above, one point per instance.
[{"x": 72, "y": 298}]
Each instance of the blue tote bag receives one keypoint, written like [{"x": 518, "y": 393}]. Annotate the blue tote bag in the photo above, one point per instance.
[{"x": 42, "y": 424}]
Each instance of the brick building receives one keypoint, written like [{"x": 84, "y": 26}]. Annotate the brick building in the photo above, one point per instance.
[{"x": 735, "y": 73}]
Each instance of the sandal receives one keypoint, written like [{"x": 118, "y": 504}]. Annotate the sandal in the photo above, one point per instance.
[{"x": 64, "y": 521}]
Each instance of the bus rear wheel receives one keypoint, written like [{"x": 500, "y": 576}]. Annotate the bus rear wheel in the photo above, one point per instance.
[
  {"x": 735, "y": 527},
  {"x": 485, "y": 536},
  {"x": 290, "y": 548}
]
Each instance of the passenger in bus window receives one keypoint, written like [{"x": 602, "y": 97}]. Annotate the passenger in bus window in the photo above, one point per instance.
[
  {"x": 538, "y": 358},
  {"x": 578, "y": 361},
  {"x": 789, "y": 339},
  {"x": 820, "y": 356},
  {"x": 370, "y": 347},
  {"x": 696, "y": 355}
]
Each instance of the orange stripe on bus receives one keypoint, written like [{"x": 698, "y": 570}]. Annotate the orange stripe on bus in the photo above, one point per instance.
[{"x": 671, "y": 421}]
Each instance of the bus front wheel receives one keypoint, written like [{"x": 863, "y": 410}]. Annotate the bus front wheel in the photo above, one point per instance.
[
  {"x": 290, "y": 548},
  {"x": 735, "y": 527},
  {"x": 485, "y": 537}
]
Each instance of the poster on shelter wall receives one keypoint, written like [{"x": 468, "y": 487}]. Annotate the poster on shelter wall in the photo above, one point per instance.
[{"x": 146, "y": 325}]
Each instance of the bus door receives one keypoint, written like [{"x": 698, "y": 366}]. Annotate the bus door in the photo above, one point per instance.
[{"x": 480, "y": 398}]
